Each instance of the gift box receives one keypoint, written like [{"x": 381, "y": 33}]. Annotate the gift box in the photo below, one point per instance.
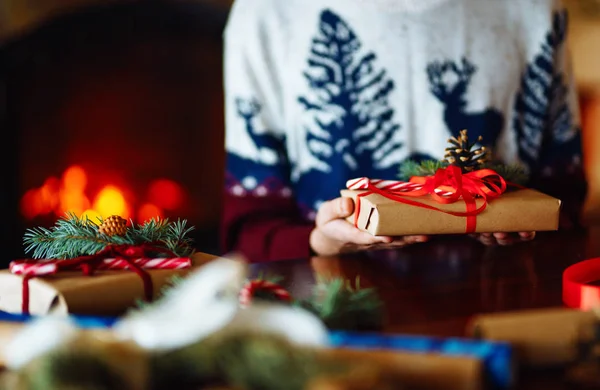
[
  {"x": 419, "y": 371},
  {"x": 541, "y": 338},
  {"x": 105, "y": 293},
  {"x": 496, "y": 358},
  {"x": 392, "y": 208}
]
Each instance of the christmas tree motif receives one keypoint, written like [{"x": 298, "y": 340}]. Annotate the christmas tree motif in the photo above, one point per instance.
[
  {"x": 487, "y": 124},
  {"x": 354, "y": 123},
  {"x": 267, "y": 172},
  {"x": 543, "y": 118}
]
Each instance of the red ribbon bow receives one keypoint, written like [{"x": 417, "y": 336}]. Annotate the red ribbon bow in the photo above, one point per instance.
[
  {"x": 448, "y": 185},
  {"x": 88, "y": 265}
]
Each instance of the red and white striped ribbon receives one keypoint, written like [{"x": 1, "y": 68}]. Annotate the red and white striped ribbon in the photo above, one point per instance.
[
  {"x": 362, "y": 183},
  {"x": 50, "y": 266},
  {"x": 251, "y": 287}
]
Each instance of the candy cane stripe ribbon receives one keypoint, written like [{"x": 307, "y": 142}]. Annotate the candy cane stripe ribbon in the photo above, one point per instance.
[
  {"x": 51, "y": 266},
  {"x": 448, "y": 185},
  {"x": 253, "y": 286}
]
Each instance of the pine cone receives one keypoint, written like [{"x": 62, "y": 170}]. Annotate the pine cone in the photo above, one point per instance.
[
  {"x": 462, "y": 154},
  {"x": 113, "y": 226}
]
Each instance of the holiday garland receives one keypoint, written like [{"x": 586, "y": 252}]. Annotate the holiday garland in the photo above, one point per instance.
[
  {"x": 467, "y": 156},
  {"x": 73, "y": 236}
]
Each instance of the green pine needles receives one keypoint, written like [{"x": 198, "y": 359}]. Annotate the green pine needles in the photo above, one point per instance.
[
  {"x": 411, "y": 168},
  {"x": 73, "y": 236},
  {"x": 511, "y": 173},
  {"x": 343, "y": 307}
]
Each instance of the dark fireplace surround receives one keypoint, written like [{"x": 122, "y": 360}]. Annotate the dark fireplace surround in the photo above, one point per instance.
[{"x": 131, "y": 93}]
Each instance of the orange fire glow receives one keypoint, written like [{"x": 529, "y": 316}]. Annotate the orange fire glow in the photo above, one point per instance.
[
  {"x": 148, "y": 211},
  {"x": 166, "y": 194},
  {"x": 68, "y": 194}
]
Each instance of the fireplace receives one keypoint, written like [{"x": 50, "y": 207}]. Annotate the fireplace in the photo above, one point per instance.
[{"x": 114, "y": 109}]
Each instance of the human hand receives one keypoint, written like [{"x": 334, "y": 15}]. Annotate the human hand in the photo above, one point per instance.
[
  {"x": 503, "y": 239},
  {"x": 333, "y": 234}
]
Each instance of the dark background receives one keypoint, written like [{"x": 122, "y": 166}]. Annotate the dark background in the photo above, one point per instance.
[{"x": 133, "y": 89}]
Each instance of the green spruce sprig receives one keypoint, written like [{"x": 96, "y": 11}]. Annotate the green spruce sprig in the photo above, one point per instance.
[
  {"x": 73, "y": 236},
  {"x": 343, "y": 307},
  {"x": 511, "y": 173},
  {"x": 411, "y": 168}
]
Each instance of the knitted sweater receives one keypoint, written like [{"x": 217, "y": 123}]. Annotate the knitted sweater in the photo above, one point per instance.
[{"x": 322, "y": 91}]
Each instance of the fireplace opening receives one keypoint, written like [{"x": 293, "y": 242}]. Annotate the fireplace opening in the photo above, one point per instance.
[{"x": 114, "y": 109}]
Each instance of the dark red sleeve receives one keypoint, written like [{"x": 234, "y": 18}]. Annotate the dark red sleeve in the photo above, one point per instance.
[
  {"x": 264, "y": 228},
  {"x": 571, "y": 188}
]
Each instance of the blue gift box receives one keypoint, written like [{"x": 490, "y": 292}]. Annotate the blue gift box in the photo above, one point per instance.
[
  {"x": 497, "y": 357},
  {"x": 81, "y": 321}
]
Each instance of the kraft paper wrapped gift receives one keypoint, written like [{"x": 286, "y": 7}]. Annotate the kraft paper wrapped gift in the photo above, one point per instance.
[
  {"x": 514, "y": 211},
  {"x": 540, "y": 337},
  {"x": 106, "y": 293},
  {"x": 496, "y": 364}
]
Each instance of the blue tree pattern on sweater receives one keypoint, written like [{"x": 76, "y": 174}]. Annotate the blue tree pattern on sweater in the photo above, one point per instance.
[
  {"x": 354, "y": 131},
  {"x": 488, "y": 124},
  {"x": 270, "y": 167},
  {"x": 547, "y": 137},
  {"x": 355, "y": 124}
]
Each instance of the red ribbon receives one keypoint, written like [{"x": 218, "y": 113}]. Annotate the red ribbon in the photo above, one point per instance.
[
  {"x": 580, "y": 285},
  {"x": 484, "y": 183},
  {"x": 89, "y": 264}
]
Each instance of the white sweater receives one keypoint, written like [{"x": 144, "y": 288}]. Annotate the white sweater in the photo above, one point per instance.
[{"x": 321, "y": 91}]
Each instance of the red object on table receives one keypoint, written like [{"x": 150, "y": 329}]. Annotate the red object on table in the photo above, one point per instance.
[{"x": 578, "y": 290}]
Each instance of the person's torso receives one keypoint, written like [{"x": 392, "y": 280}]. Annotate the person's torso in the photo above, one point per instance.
[{"x": 366, "y": 86}]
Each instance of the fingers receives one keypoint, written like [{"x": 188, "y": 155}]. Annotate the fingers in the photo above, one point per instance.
[
  {"x": 527, "y": 236},
  {"x": 334, "y": 209},
  {"x": 503, "y": 239},
  {"x": 415, "y": 239},
  {"x": 397, "y": 242},
  {"x": 342, "y": 231}
]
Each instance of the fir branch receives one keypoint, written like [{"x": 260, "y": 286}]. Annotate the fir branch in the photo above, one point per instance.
[
  {"x": 177, "y": 239},
  {"x": 511, "y": 173},
  {"x": 342, "y": 307},
  {"x": 70, "y": 237},
  {"x": 73, "y": 237},
  {"x": 411, "y": 168},
  {"x": 153, "y": 230}
]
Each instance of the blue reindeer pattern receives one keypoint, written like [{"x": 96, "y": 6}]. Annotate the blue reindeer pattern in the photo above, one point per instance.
[
  {"x": 488, "y": 124},
  {"x": 547, "y": 136},
  {"x": 354, "y": 131},
  {"x": 270, "y": 167}
]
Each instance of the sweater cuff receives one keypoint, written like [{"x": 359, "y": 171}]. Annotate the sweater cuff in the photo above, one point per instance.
[{"x": 291, "y": 242}]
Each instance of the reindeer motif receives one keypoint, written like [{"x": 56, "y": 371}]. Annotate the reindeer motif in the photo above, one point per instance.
[
  {"x": 488, "y": 124},
  {"x": 270, "y": 146}
]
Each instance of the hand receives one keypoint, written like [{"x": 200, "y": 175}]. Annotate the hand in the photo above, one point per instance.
[
  {"x": 333, "y": 234},
  {"x": 491, "y": 239}
]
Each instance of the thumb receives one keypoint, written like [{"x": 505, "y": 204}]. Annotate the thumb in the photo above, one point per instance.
[{"x": 334, "y": 209}]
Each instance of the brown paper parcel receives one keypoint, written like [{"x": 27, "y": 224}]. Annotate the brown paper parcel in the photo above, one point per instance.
[
  {"x": 106, "y": 293},
  {"x": 515, "y": 211},
  {"x": 541, "y": 337}
]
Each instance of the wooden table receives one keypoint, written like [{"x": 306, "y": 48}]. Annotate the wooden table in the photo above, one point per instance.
[{"x": 434, "y": 288}]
